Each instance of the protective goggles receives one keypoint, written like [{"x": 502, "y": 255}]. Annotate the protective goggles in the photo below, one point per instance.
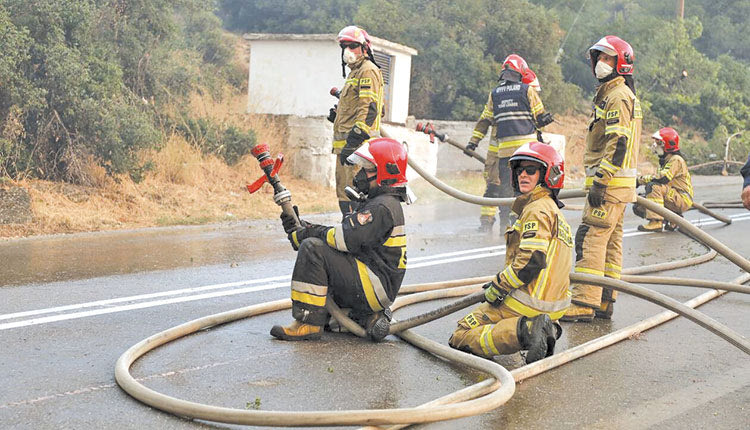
[
  {"x": 350, "y": 45},
  {"x": 530, "y": 169}
]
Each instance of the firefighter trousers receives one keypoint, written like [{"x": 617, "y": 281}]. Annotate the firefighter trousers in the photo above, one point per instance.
[
  {"x": 497, "y": 175},
  {"x": 669, "y": 197},
  {"x": 488, "y": 331},
  {"x": 321, "y": 272},
  {"x": 598, "y": 245}
]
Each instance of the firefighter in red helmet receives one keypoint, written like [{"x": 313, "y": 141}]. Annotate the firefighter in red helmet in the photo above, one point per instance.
[
  {"x": 515, "y": 111},
  {"x": 610, "y": 160},
  {"x": 532, "y": 289},
  {"x": 671, "y": 186},
  {"x": 360, "y": 263},
  {"x": 356, "y": 118}
]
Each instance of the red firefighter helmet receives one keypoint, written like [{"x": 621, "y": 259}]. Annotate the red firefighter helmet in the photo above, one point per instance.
[
  {"x": 354, "y": 34},
  {"x": 517, "y": 63},
  {"x": 553, "y": 163},
  {"x": 669, "y": 136},
  {"x": 387, "y": 156},
  {"x": 616, "y": 47},
  {"x": 530, "y": 79}
]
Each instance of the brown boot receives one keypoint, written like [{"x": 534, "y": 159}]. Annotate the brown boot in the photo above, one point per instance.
[
  {"x": 297, "y": 331},
  {"x": 578, "y": 313},
  {"x": 651, "y": 225},
  {"x": 605, "y": 310}
]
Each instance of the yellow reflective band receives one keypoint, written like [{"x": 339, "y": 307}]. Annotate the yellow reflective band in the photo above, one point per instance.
[
  {"x": 330, "y": 237},
  {"x": 656, "y": 200},
  {"x": 478, "y": 134},
  {"x": 534, "y": 244},
  {"x": 544, "y": 280},
  {"x": 611, "y": 274},
  {"x": 402, "y": 260},
  {"x": 308, "y": 298},
  {"x": 486, "y": 342},
  {"x": 338, "y": 144},
  {"x": 353, "y": 81},
  {"x": 362, "y": 126},
  {"x": 614, "y": 129},
  {"x": 612, "y": 266},
  {"x": 589, "y": 271},
  {"x": 487, "y": 210},
  {"x": 667, "y": 174},
  {"x": 486, "y": 114},
  {"x": 637, "y": 112},
  {"x": 647, "y": 178},
  {"x": 606, "y": 165},
  {"x": 511, "y": 277},
  {"x": 372, "y": 300},
  {"x": 365, "y": 94},
  {"x": 395, "y": 241},
  {"x": 294, "y": 238},
  {"x": 598, "y": 112},
  {"x": 614, "y": 182},
  {"x": 529, "y": 312},
  {"x": 514, "y": 143},
  {"x": 537, "y": 108}
]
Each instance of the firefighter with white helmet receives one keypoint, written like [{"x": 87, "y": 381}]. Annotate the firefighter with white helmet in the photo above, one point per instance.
[
  {"x": 531, "y": 291},
  {"x": 357, "y": 116},
  {"x": 610, "y": 160},
  {"x": 515, "y": 111},
  {"x": 361, "y": 262},
  {"x": 671, "y": 186}
]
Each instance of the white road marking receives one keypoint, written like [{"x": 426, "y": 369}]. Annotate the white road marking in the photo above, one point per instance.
[{"x": 426, "y": 261}]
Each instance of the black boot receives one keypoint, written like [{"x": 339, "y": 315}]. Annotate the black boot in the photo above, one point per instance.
[{"x": 537, "y": 335}]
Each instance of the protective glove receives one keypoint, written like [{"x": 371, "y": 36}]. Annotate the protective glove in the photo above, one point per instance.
[
  {"x": 596, "y": 194},
  {"x": 332, "y": 113},
  {"x": 471, "y": 146},
  {"x": 297, "y": 236},
  {"x": 354, "y": 140},
  {"x": 493, "y": 295},
  {"x": 290, "y": 223}
]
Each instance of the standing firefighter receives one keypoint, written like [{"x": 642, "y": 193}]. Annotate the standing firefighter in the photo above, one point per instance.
[
  {"x": 532, "y": 290},
  {"x": 359, "y": 264},
  {"x": 356, "y": 118},
  {"x": 516, "y": 112},
  {"x": 671, "y": 187},
  {"x": 610, "y": 160}
]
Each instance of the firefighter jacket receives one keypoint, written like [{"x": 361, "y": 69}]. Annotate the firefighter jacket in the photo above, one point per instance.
[
  {"x": 360, "y": 102},
  {"x": 673, "y": 172},
  {"x": 538, "y": 257},
  {"x": 375, "y": 235},
  {"x": 513, "y": 109},
  {"x": 613, "y": 140}
]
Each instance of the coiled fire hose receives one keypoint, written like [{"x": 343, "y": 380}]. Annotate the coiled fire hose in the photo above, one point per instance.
[{"x": 457, "y": 404}]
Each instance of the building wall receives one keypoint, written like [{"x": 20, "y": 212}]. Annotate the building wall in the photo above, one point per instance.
[{"x": 293, "y": 77}]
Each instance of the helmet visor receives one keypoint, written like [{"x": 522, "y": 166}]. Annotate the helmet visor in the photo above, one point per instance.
[{"x": 363, "y": 158}]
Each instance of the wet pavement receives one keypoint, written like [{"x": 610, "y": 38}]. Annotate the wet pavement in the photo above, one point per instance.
[{"x": 72, "y": 304}]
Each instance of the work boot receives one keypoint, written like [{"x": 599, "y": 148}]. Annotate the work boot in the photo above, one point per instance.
[
  {"x": 651, "y": 225},
  {"x": 605, "y": 310},
  {"x": 378, "y": 325},
  {"x": 297, "y": 331},
  {"x": 537, "y": 335},
  {"x": 668, "y": 226},
  {"x": 578, "y": 313},
  {"x": 485, "y": 224}
]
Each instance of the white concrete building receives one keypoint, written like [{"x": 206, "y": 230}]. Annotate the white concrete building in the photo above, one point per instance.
[{"x": 291, "y": 74}]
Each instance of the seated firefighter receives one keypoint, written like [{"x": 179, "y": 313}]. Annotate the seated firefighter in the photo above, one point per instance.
[
  {"x": 532, "y": 291},
  {"x": 360, "y": 263},
  {"x": 671, "y": 187}
]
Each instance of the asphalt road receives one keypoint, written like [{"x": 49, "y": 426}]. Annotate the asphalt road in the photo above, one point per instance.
[{"x": 71, "y": 305}]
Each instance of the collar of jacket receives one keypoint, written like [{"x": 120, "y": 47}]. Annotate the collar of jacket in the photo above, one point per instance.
[
  {"x": 357, "y": 64},
  {"x": 535, "y": 194},
  {"x": 398, "y": 192},
  {"x": 607, "y": 86}
]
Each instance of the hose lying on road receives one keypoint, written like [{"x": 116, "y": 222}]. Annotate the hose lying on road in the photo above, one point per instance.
[{"x": 493, "y": 395}]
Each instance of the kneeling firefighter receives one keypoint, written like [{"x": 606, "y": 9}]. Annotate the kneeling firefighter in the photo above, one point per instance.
[
  {"x": 360, "y": 263},
  {"x": 671, "y": 187},
  {"x": 532, "y": 291}
]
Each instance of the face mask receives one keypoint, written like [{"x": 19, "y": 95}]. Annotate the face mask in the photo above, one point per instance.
[
  {"x": 658, "y": 149},
  {"x": 361, "y": 182},
  {"x": 602, "y": 70},
  {"x": 349, "y": 56}
]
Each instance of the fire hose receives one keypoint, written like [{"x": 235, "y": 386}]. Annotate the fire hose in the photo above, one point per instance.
[{"x": 493, "y": 395}]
